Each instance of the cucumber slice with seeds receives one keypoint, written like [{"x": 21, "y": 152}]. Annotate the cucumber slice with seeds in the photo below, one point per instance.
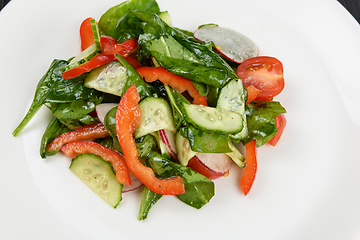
[
  {"x": 99, "y": 175},
  {"x": 211, "y": 119}
]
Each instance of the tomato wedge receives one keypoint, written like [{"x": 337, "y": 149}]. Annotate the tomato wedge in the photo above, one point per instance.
[{"x": 264, "y": 73}]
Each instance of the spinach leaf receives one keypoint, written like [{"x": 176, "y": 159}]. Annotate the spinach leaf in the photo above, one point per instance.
[
  {"x": 148, "y": 199},
  {"x": 261, "y": 119},
  {"x": 53, "y": 130},
  {"x": 53, "y": 89},
  {"x": 180, "y": 53},
  {"x": 206, "y": 142},
  {"x": 198, "y": 189},
  {"x": 116, "y": 23}
]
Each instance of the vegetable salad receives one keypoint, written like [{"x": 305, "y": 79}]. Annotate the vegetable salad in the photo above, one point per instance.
[{"x": 152, "y": 107}]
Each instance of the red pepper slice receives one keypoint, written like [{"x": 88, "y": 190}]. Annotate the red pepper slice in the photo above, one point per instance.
[
  {"x": 96, "y": 130},
  {"x": 250, "y": 169},
  {"x": 127, "y": 120},
  {"x": 177, "y": 82},
  {"x": 122, "y": 172},
  {"x": 280, "y": 125},
  {"x": 86, "y": 34},
  {"x": 102, "y": 58},
  {"x": 109, "y": 45}
]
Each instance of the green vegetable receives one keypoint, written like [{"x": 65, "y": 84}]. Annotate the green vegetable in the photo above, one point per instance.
[
  {"x": 206, "y": 142},
  {"x": 133, "y": 77},
  {"x": 148, "y": 199},
  {"x": 261, "y": 121},
  {"x": 111, "y": 23},
  {"x": 53, "y": 130},
  {"x": 98, "y": 175},
  {"x": 53, "y": 89},
  {"x": 198, "y": 189}
]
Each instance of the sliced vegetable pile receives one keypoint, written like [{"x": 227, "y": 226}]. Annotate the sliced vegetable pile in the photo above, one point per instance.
[{"x": 149, "y": 104}]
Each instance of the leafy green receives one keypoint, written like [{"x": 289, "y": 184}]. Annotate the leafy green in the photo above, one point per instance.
[
  {"x": 206, "y": 142},
  {"x": 116, "y": 22},
  {"x": 198, "y": 189},
  {"x": 53, "y": 89},
  {"x": 180, "y": 53},
  {"x": 261, "y": 119},
  {"x": 53, "y": 130},
  {"x": 148, "y": 199}
]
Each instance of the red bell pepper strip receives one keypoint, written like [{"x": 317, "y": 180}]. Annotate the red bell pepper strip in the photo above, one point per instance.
[
  {"x": 109, "y": 45},
  {"x": 101, "y": 59},
  {"x": 177, "y": 82},
  {"x": 253, "y": 93},
  {"x": 280, "y": 125},
  {"x": 127, "y": 120},
  {"x": 96, "y": 130},
  {"x": 122, "y": 172},
  {"x": 86, "y": 34},
  {"x": 250, "y": 169}
]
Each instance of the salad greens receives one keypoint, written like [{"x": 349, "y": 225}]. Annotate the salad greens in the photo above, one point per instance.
[{"x": 160, "y": 44}]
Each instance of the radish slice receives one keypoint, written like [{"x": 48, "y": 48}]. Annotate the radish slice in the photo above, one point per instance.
[
  {"x": 231, "y": 44},
  {"x": 102, "y": 109},
  {"x": 217, "y": 162},
  {"x": 136, "y": 183},
  {"x": 167, "y": 137}
]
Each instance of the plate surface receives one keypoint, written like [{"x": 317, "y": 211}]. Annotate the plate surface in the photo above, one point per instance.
[{"x": 306, "y": 188}]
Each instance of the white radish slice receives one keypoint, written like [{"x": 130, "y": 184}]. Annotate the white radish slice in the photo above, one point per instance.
[
  {"x": 102, "y": 109},
  {"x": 231, "y": 44},
  {"x": 167, "y": 137},
  {"x": 136, "y": 183},
  {"x": 217, "y": 162}
]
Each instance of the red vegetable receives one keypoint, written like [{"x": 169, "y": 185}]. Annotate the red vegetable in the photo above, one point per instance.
[
  {"x": 211, "y": 165},
  {"x": 117, "y": 162},
  {"x": 96, "y": 130},
  {"x": 264, "y": 73},
  {"x": 253, "y": 93},
  {"x": 86, "y": 34},
  {"x": 280, "y": 125},
  {"x": 103, "y": 57},
  {"x": 179, "y": 83},
  {"x": 250, "y": 169},
  {"x": 127, "y": 120}
]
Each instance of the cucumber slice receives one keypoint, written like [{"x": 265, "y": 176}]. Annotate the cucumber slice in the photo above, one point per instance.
[
  {"x": 232, "y": 97},
  {"x": 98, "y": 174},
  {"x": 156, "y": 114},
  {"x": 183, "y": 149},
  {"x": 214, "y": 120},
  {"x": 96, "y": 34},
  {"x": 83, "y": 57},
  {"x": 109, "y": 78},
  {"x": 165, "y": 16}
]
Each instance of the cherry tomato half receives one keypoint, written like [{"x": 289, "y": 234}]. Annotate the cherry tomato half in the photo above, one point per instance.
[{"x": 264, "y": 73}]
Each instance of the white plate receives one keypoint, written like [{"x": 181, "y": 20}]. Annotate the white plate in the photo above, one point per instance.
[{"x": 306, "y": 188}]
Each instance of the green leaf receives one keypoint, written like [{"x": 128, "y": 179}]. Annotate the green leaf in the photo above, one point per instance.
[
  {"x": 148, "y": 200},
  {"x": 198, "y": 189},
  {"x": 206, "y": 142},
  {"x": 53, "y": 130},
  {"x": 112, "y": 22},
  {"x": 261, "y": 119}
]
